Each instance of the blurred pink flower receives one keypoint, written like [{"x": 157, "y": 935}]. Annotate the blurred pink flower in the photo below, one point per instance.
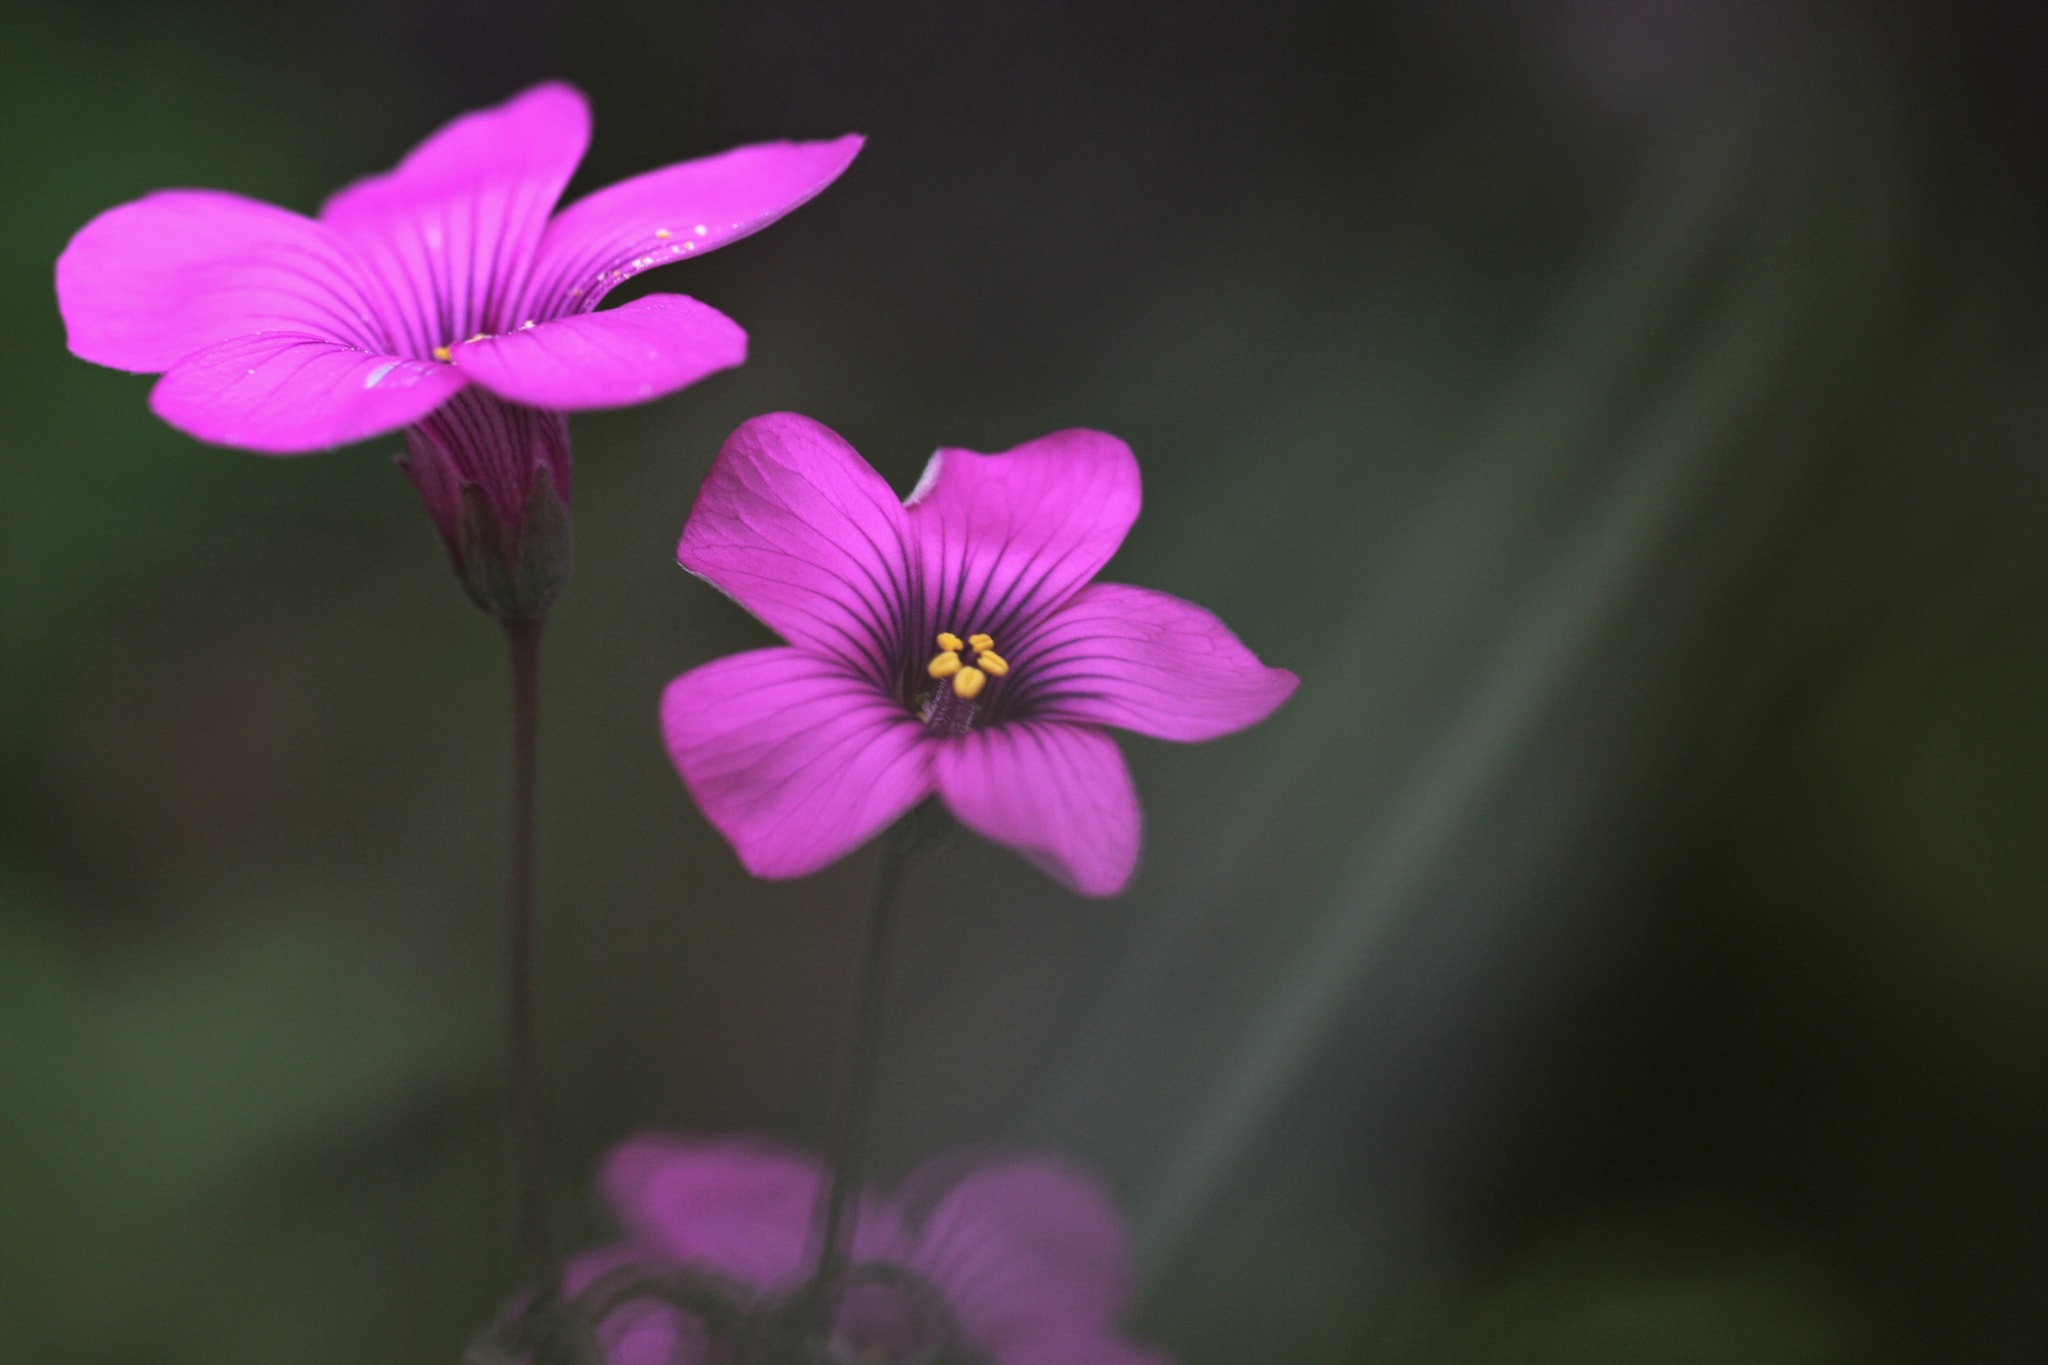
[
  {"x": 1022, "y": 1263},
  {"x": 440, "y": 297},
  {"x": 952, "y": 642}
]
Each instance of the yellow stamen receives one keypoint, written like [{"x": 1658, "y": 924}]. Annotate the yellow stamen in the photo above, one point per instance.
[
  {"x": 948, "y": 640},
  {"x": 945, "y": 666},
  {"x": 968, "y": 683},
  {"x": 981, "y": 641},
  {"x": 661, "y": 232},
  {"x": 440, "y": 353},
  {"x": 992, "y": 663}
]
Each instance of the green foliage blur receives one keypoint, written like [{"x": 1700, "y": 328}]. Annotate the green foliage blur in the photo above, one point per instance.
[{"x": 1631, "y": 420}]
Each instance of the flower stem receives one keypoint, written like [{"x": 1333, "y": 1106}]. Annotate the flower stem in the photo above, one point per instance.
[
  {"x": 846, "y": 1148},
  {"x": 531, "y": 1228}
]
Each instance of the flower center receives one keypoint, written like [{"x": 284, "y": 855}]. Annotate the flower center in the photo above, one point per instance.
[
  {"x": 950, "y": 708},
  {"x": 446, "y": 354}
]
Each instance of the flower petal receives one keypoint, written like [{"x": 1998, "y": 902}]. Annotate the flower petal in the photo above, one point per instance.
[
  {"x": 450, "y": 233},
  {"x": 794, "y": 526},
  {"x": 1025, "y": 1250},
  {"x": 1058, "y": 794},
  {"x": 146, "y": 284},
  {"x": 794, "y": 759},
  {"x": 1003, "y": 539},
  {"x": 640, "y": 1331},
  {"x": 678, "y": 211},
  {"x": 650, "y": 347},
  {"x": 645, "y": 1332},
  {"x": 736, "y": 1205},
  {"x": 1146, "y": 661},
  {"x": 285, "y": 393}
]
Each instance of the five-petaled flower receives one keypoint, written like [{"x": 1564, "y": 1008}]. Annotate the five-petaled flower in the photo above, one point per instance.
[
  {"x": 440, "y": 297},
  {"x": 951, "y": 643},
  {"x": 1018, "y": 1263}
]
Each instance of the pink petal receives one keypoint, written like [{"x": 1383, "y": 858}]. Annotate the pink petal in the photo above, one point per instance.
[
  {"x": 794, "y": 526},
  {"x": 640, "y": 1332},
  {"x": 650, "y": 1333},
  {"x": 1146, "y": 661},
  {"x": 286, "y": 393},
  {"x": 451, "y": 232},
  {"x": 144, "y": 285},
  {"x": 735, "y": 1205},
  {"x": 650, "y": 347},
  {"x": 1003, "y": 539},
  {"x": 1058, "y": 794},
  {"x": 793, "y": 758},
  {"x": 677, "y": 211},
  {"x": 1025, "y": 1250}
]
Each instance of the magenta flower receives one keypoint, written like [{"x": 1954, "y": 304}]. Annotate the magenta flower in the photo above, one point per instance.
[
  {"x": 1022, "y": 1263},
  {"x": 951, "y": 643},
  {"x": 440, "y": 297}
]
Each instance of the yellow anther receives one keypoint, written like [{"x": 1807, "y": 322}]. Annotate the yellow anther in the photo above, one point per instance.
[
  {"x": 661, "y": 232},
  {"x": 945, "y": 666},
  {"x": 981, "y": 641},
  {"x": 440, "y": 353},
  {"x": 992, "y": 663},
  {"x": 968, "y": 683},
  {"x": 948, "y": 640}
]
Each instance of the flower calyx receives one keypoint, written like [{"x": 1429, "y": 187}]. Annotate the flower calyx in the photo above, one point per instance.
[{"x": 514, "y": 570}]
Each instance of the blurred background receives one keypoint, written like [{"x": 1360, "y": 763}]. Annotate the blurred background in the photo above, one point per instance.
[{"x": 1627, "y": 416}]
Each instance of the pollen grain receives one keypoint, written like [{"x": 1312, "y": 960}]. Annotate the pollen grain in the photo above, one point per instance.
[{"x": 968, "y": 678}]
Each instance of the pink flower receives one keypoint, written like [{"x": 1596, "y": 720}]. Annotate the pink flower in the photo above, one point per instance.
[
  {"x": 952, "y": 643},
  {"x": 1022, "y": 1263},
  {"x": 440, "y": 297}
]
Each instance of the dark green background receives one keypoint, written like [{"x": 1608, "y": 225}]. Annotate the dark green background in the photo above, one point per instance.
[{"x": 1628, "y": 418}]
